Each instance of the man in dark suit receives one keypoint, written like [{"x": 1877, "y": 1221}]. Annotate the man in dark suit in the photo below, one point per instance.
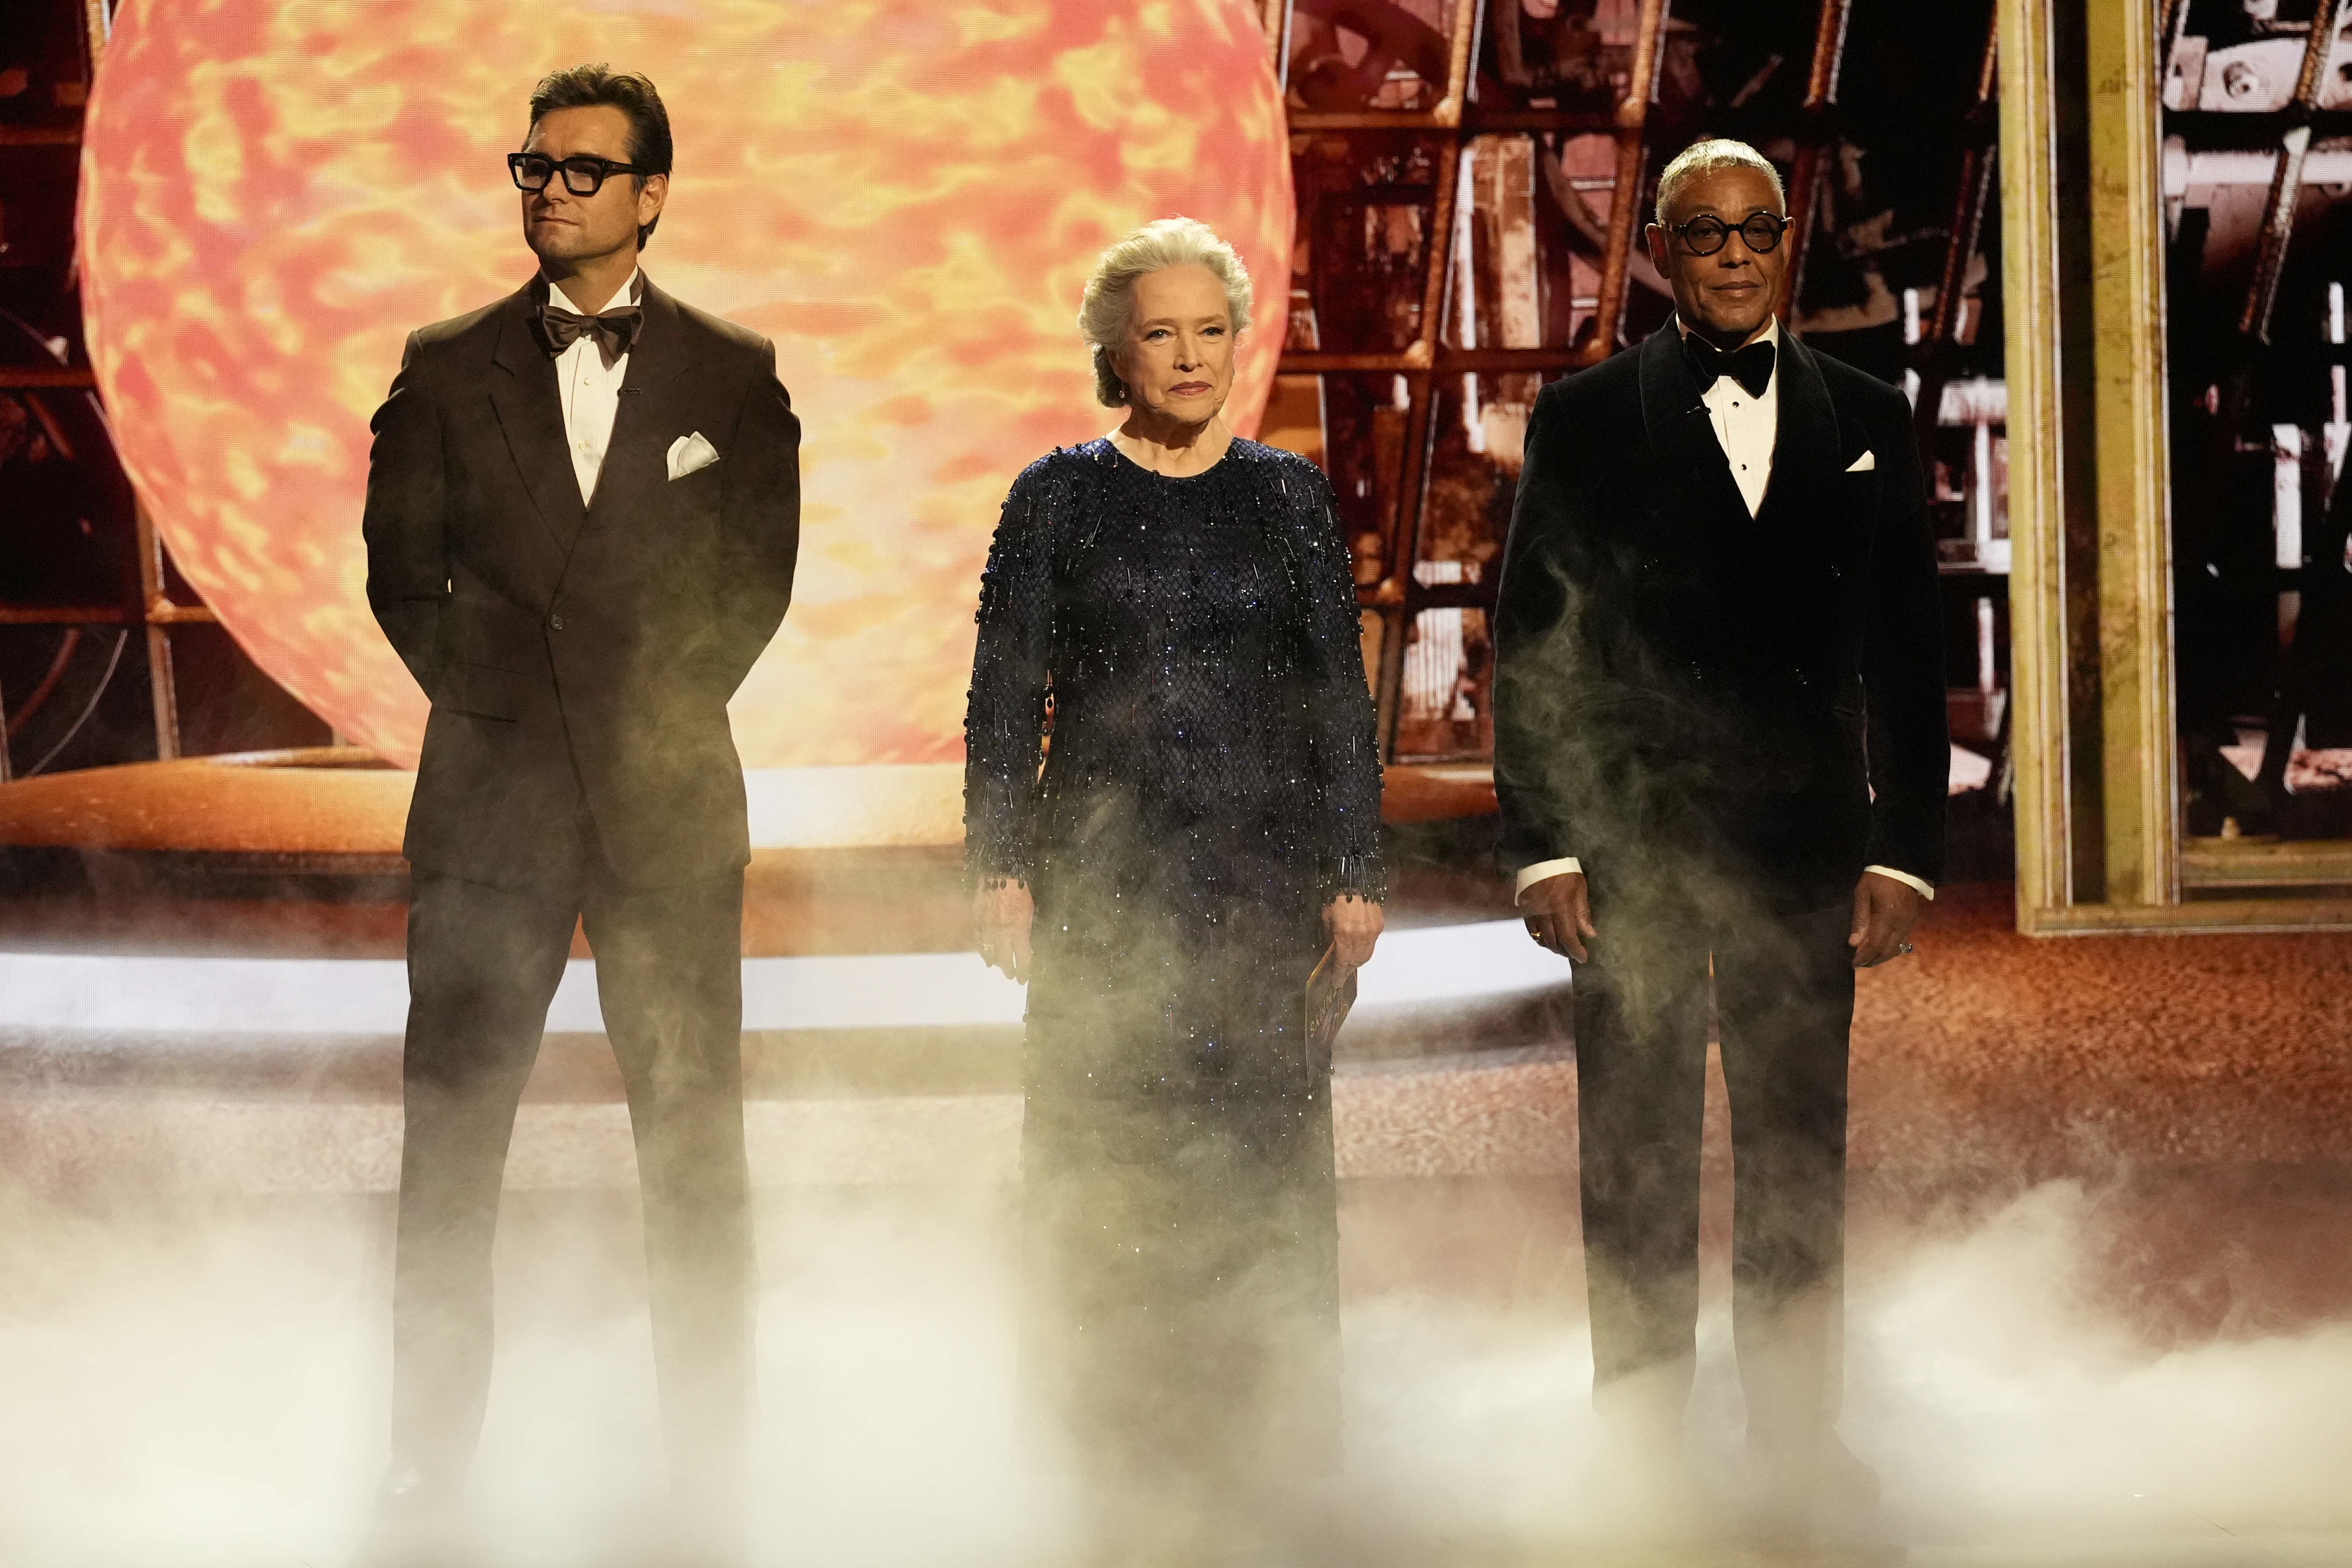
[
  {"x": 1720, "y": 747},
  {"x": 582, "y": 513}
]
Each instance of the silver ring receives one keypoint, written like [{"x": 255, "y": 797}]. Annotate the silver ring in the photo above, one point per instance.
[{"x": 1902, "y": 948}]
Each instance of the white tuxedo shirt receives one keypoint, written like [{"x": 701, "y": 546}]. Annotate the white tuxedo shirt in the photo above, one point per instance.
[{"x": 590, "y": 389}]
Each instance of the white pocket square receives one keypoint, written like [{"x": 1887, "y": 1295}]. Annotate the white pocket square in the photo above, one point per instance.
[
  {"x": 688, "y": 453},
  {"x": 1860, "y": 465}
]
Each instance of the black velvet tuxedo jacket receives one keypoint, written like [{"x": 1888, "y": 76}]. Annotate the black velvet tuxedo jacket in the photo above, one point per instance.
[
  {"x": 1696, "y": 702},
  {"x": 580, "y": 658}
]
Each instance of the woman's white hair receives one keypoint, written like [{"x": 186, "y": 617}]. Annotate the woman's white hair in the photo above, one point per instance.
[
  {"x": 1705, "y": 158},
  {"x": 1108, "y": 308}
]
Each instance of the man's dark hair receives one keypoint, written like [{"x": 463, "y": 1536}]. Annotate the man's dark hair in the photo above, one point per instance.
[{"x": 584, "y": 87}]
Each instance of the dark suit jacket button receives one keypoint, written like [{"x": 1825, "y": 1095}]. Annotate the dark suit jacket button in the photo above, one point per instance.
[{"x": 555, "y": 622}]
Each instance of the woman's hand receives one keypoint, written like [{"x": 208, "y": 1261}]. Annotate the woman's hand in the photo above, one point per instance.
[
  {"x": 1000, "y": 914},
  {"x": 1354, "y": 922}
]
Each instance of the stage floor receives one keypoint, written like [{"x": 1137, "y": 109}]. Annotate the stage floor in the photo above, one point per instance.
[
  {"x": 2101, "y": 1307},
  {"x": 133, "y": 1032}
]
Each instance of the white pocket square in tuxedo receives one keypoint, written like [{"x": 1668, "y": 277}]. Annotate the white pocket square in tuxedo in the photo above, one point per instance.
[
  {"x": 688, "y": 453},
  {"x": 1860, "y": 465}
]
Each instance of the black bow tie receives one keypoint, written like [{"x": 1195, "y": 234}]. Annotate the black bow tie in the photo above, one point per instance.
[
  {"x": 614, "y": 330},
  {"x": 1751, "y": 367}
]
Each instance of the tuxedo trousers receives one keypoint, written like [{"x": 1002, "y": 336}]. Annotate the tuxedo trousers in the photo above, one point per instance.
[
  {"x": 483, "y": 965},
  {"x": 1782, "y": 989}
]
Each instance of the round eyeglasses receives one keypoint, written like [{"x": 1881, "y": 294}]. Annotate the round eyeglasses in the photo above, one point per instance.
[
  {"x": 582, "y": 175},
  {"x": 1704, "y": 236}
]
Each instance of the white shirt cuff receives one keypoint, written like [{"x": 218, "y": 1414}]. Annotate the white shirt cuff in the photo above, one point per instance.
[
  {"x": 1925, "y": 891},
  {"x": 1539, "y": 870}
]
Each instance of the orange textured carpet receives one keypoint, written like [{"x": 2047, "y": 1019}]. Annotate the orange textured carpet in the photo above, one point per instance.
[{"x": 1988, "y": 1048}]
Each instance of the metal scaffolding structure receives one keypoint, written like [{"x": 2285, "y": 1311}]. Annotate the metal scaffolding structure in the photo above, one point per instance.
[
  {"x": 1397, "y": 109},
  {"x": 139, "y": 595}
]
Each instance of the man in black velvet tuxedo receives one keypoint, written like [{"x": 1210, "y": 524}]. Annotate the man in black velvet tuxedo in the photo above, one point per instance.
[
  {"x": 1720, "y": 747},
  {"x": 582, "y": 514}
]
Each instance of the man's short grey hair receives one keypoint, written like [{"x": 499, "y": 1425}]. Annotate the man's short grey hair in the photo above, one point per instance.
[
  {"x": 1705, "y": 158},
  {"x": 1108, "y": 308}
]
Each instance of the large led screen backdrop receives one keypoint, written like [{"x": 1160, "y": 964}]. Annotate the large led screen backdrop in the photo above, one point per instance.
[{"x": 905, "y": 196}]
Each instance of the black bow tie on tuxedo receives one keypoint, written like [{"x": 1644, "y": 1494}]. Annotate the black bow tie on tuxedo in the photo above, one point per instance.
[
  {"x": 1751, "y": 367},
  {"x": 614, "y": 330}
]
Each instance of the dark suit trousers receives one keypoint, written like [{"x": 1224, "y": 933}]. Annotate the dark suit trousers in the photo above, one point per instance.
[
  {"x": 483, "y": 964},
  {"x": 1784, "y": 1000}
]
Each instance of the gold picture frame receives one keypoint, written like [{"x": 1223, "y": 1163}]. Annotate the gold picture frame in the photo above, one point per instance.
[{"x": 2098, "y": 795}]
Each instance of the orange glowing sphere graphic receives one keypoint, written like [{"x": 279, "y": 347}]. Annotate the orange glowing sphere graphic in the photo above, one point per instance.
[{"x": 905, "y": 195}]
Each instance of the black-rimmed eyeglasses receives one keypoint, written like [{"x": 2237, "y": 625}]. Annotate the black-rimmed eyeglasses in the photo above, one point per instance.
[
  {"x": 582, "y": 175},
  {"x": 1704, "y": 236}
]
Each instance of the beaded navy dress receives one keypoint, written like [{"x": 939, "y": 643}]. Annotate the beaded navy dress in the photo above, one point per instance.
[{"x": 1170, "y": 739}]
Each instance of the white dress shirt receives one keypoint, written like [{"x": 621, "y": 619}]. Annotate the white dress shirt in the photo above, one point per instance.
[
  {"x": 1746, "y": 427},
  {"x": 590, "y": 389}
]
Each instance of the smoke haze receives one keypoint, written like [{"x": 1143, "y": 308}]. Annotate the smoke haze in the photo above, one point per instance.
[{"x": 209, "y": 1386}]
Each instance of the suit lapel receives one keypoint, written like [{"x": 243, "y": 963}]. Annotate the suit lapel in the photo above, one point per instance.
[
  {"x": 1687, "y": 459},
  {"x": 1805, "y": 446},
  {"x": 530, "y": 416}
]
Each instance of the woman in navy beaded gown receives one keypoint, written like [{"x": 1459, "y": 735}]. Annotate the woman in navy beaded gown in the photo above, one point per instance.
[{"x": 1171, "y": 811}]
